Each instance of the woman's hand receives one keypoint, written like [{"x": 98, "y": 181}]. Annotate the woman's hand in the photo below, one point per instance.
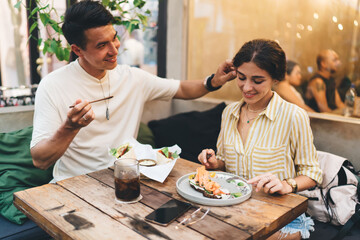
[
  {"x": 270, "y": 184},
  {"x": 208, "y": 159}
]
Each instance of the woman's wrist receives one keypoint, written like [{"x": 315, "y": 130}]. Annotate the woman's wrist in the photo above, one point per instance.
[
  {"x": 220, "y": 165},
  {"x": 287, "y": 187}
]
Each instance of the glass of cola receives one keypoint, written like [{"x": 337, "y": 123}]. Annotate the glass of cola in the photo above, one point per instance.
[{"x": 127, "y": 180}]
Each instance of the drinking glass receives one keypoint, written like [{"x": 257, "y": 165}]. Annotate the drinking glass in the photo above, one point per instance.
[{"x": 127, "y": 180}]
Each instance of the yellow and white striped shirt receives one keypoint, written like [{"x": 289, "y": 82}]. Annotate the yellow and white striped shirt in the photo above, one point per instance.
[{"x": 279, "y": 141}]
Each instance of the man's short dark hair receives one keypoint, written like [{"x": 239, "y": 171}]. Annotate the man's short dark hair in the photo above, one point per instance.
[
  {"x": 82, "y": 16},
  {"x": 266, "y": 54}
]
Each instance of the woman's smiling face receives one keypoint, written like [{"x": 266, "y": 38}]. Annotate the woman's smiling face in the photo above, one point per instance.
[{"x": 255, "y": 84}]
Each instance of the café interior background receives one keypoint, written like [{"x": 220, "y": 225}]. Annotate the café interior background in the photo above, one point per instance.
[
  {"x": 215, "y": 31},
  {"x": 218, "y": 28}
]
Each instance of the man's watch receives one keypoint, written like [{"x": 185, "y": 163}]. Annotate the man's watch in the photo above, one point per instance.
[
  {"x": 292, "y": 184},
  {"x": 207, "y": 84}
]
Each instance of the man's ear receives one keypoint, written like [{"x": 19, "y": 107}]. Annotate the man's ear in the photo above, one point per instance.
[{"x": 77, "y": 50}]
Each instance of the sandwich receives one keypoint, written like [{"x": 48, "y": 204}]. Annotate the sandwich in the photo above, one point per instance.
[
  {"x": 202, "y": 182},
  {"x": 171, "y": 155},
  {"x": 121, "y": 151},
  {"x": 164, "y": 155}
]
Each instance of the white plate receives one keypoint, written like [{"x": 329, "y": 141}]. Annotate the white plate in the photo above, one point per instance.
[{"x": 186, "y": 191}]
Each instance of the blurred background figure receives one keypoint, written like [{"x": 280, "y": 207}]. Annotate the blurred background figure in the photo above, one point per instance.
[
  {"x": 286, "y": 89},
  {"x": 321, "y": 93},
  {"x": 133, "y": 50},
  {"x": 343, "y": 87}
]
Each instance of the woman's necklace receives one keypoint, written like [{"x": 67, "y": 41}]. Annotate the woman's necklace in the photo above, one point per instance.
[
  {"x": 249, "y": 119},
  {"x": 256, "y": 111},
  {"x": 107, "y": 113}
]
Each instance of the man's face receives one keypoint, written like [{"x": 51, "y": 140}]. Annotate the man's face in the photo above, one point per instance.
[
  {"x": 101, "y": 50},
  {"x": 332, "y": 62}
]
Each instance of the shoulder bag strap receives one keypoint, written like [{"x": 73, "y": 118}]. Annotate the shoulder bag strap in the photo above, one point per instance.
[{"x": 348, "y": 225}]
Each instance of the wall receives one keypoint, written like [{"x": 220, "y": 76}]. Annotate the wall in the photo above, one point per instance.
[
  {"x": 175, "y": 56},
  {"x": 15, "y": 118}
]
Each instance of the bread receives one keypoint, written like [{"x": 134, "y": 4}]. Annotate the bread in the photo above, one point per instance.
[{"x": 201, "y": 182}]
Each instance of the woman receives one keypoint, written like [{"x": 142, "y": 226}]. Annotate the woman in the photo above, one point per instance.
[
  {"x": 286, "y": 88},
  {"x": 264, "y": 138}
]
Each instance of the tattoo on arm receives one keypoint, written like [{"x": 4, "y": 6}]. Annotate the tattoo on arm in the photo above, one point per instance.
[{"x": 320, "y": 87}]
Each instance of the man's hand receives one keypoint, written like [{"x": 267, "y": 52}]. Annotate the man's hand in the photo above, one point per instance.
[
  {"x": 80, "y": 115},
  {"x": 49, "y": 150},
  {"x": 225, "y": 72}
]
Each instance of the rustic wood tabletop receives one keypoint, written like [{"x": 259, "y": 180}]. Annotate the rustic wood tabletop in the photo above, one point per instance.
[{"x": 83, "y": 207}]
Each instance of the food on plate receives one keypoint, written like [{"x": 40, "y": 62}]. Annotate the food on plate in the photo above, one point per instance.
[
  {"x": 121, "y": 151},
  {"x": 201, "y": 182}
]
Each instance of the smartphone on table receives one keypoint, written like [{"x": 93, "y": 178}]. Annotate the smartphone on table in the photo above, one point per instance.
[{"x": 168, "y": 212}]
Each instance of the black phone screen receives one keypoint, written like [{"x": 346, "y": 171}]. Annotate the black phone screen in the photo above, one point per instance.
[{"x": 168, "y": 212}]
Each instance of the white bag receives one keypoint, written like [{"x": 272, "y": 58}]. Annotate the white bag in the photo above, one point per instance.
[{"x": 336, "y": 199}]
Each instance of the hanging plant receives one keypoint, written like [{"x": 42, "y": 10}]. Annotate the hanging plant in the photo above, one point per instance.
[{"x": 131, "y": 19}]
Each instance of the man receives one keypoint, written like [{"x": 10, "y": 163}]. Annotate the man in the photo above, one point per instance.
[
  {"x": 77, "y": 139},
  {"x": 321, "y": 93}
]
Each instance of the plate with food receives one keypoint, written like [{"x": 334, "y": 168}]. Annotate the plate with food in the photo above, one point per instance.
[{"x": 213, "y": 188}]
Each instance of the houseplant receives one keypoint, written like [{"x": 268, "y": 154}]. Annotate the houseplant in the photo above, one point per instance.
[{"x": 127, "y": 13}]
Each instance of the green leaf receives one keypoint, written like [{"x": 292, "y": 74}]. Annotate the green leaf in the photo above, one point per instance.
[
  {"x": 113, "y": 151},
  {"x": 35, "y": 10},
  {"x": 66, "y": 54},
  {"x": 143, "y": 19},
  {"x": 148, "y": 12},
  {"x": 28, "y": 39},
  {"x": 55, "y": 26},
  {"x": 45, "y": 18},
  {"x": 60, "y": 53},
  {"x": 139, "y": 3},
  {"x": 175, "y": 155},
  {"x": 33, "y": 26},
  {"x": 17, "y": 5},
  {"x": 44, "y": 7},
  {"x": 165, "y": 150},
  {"x": 105, "y": 2},
  {"x": 54, "y": 45},
  {"x": 39, "y": 41},
  {"x": 46, "y": 46},
  {"x": 132, "y": 25}
]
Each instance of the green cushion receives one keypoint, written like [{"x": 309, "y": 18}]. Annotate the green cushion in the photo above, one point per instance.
[
  {"x": 145, "y": 135},
  {"x": 17, "y": 171}
]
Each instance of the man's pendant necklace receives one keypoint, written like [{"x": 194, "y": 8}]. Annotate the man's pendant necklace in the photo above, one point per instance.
[{"x": 107, "y": 113}]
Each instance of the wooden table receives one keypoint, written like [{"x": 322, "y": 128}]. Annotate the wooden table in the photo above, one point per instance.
[{"x": 83, "y": 207}]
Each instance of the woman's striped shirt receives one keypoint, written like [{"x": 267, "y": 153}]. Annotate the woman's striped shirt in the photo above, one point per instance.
[{"x": 279, "y": 141}]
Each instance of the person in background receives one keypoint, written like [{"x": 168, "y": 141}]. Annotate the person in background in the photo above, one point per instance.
[
  {"x": 321, "y": 93},
  {"x": 286, "y": 88},
  {"x": 344, "y": 86},
  {"x": 133, "y": 53},
  {"x": 77, "y": 139},
  {"x": 264, "y": 138}
]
